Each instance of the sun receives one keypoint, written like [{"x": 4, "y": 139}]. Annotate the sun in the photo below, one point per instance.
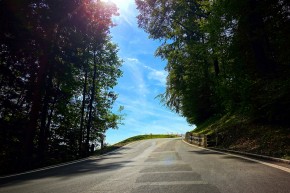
[{"x": 122, "y": 4}]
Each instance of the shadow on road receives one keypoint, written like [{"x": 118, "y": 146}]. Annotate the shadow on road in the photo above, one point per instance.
[
  {"x": 223, "y": 156},
  {"x": 238, "y": 159},
  {"x": 65, "y": 172},
  {"x": 205, "y": 152}
]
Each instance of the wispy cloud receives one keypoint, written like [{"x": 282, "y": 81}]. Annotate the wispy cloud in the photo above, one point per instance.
[
  {"x": 137, "y": 76},
  {"x": 133, "y": 60},
  {"x": 157, "y": 75}
]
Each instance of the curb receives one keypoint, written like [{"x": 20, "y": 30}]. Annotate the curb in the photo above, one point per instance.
[
  {"x": 245, "y": 153},
  {"x": 253, "y": 155},
  {"x": 285, "y": 169}
]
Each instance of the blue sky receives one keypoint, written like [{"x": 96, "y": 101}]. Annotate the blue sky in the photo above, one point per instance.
[{"x": 143, "y": 79}]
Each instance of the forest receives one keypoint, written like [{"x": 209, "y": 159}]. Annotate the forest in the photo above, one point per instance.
[
  {"x": 225, "y": 59},
  {"x": 58, "y": 67}
]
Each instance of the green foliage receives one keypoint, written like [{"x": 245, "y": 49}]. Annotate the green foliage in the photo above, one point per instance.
[
  {"x": 58, "y": 68},
  {"x": 228, "y": 68},
  {"x": 223, "y": 57}
]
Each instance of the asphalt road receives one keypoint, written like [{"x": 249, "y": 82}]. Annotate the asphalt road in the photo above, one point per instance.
[{"x": 155, "y": 166}]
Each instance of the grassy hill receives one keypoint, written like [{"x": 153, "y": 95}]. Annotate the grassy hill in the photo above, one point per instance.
[
  {"x": 242, "y": 133},
  {"x": 130, "y": 140}
]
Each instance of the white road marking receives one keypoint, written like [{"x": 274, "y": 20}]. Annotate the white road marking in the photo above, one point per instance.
[
  {"x": 171, "y": 183},
  {"x": 66, "y": 163}
]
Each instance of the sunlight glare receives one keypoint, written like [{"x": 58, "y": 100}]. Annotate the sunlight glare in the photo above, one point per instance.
[{"x": 121, "y": 4}]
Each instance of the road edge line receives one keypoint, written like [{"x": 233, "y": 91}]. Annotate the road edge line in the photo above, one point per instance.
[
  {"x": 65, "y": 163},
  {"x": 242, "y": 157},
  {"x": 253, "y": 155}
]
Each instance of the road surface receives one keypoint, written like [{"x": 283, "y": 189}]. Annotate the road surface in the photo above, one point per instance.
[{"x": 155, "y": 166}]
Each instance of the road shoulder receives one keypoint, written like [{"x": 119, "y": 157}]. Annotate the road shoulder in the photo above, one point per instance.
[{"x": 271, "y": 163}]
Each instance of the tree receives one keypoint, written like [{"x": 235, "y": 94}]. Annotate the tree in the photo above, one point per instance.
[
  {"x": 222, "y": 56},
  {"x": 46, "y": 75},
  {"x": 186, "y": 48}
]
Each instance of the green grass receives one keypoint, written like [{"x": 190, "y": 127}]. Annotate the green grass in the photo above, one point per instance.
[
  {"x": 241, "y": 133},
  {"x": 142, "y": 137},
  {"x": 130, "y": 140}
]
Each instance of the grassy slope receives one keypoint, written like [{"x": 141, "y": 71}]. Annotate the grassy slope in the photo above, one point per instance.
[
  {"x": 243, "y": 134},
  {"x": 130, "y": 140}
]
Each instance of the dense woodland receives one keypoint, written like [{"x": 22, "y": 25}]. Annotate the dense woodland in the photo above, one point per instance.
[
  {"x": 223, "y": 56},
  {"x": 58, "y": 66}
]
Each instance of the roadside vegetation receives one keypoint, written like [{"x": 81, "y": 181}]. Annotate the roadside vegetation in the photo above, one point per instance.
[
  {"x": 228, "y": 67},
  {"x": 241, "y": 133},
  {"x": 58, "y": 68}
]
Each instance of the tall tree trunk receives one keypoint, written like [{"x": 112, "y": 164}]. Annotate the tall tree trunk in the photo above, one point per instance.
[
  {"x": 31, "y": 128},
  {"x": 44, "y": 114},
  {"x": 89, "y": 125},
  {"x": 48, "y": 134},
  {"x": 258, "y": 38},
  {"x": 216, "y": 66},
  {"x": 83, "y": 109}
]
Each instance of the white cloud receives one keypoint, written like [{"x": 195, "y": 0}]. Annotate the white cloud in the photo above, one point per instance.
[
  {"x": 157, "y": 75},
  {"x": 133, "y": 60},
  {"x": 137, "y": 77}
]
